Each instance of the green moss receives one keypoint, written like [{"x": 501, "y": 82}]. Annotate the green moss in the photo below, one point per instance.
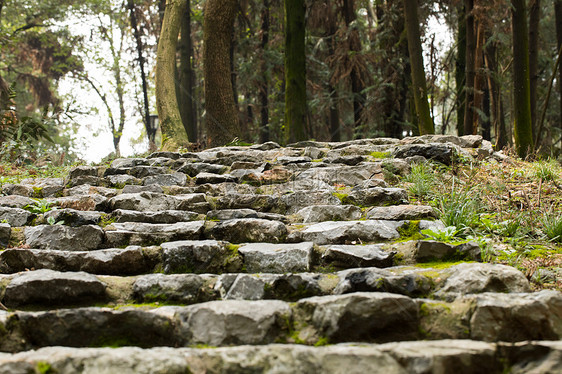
[
  {"x": 317, "y": 160},
  {"x": 37, "y": 192},
  {"x": 409, "y": 231},
  {"x": 322, "y": 341},
  {"x": 112, "y": 342},
  {"x": 106, "y": 220},
  {"x": 441, "y": 264},
  {"x": 380, "y": 154},
  {"x": 343, "y": 197},
  {"x": 45, "y": 368}
]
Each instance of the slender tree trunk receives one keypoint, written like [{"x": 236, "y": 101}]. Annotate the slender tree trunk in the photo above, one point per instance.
[
  {"x": 354, "y": 43},
  {"x": 558, "y": 21},
  {"x": 460, "y": 68},
  {"x": 264, "y": 87},
  {"x": 495, "y": 95},
  {"x": 521, "y": 81},
  {"x": 470, "y": 68},
  {"x": 334, "y": 113},
  {"x": 151, "y": 133},
  {"x": 187, "y": 77},
  {"x": 478, "y": 79},
  {"x": 222, "y": 114},
  {"x": 173, "y": 132},
  {"x": 419, "y": 87},
  {"x": 295, "y": 71},
  {"x": 534, "y": 19}
]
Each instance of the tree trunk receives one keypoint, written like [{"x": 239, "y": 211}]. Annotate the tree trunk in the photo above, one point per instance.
[
  {"x": 222, "y": 114},
  {"x": 354, "y": 43},
  {"x": 558, "y": 21},
  {"x": 494, "y": 86},
  {"x": 334, "y": 113},
  {"x": 264, "y": 87},
  {"x": 187, "y": 78},
  {"x": 460, "y": 68},
  {"x": 295, "y": 71},
  {"x": 173, "y": 132},
  {"x": 534, "y": 19},
  {"x": 151, "y": 134},
  {"x": 478, "y": 80},
  {"x": 470, "y": 69},
  {"x": 523, "y": 130},
  {"x": 419, "y": 87}
]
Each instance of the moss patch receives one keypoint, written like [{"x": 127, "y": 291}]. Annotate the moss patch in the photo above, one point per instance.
[{"x": 409, "y": 231}]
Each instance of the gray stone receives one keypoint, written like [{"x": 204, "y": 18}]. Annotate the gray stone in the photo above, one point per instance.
[
  {"x": 146, "y": 171},
  {"x": 86, "y": 189},
  {"x": 115, "y": 261},
  {"x": 64, "y": 238},
  {"x": 350, "y": 318},
  {"x": 72, "y": 217},
  {"x": 314, "y": 153},
  {"x": 443, "y": 153},
  {"x": 121, "y": 180},
  {"x": 470, "y": 141},
  {"x": 16, "y": 217},
  {"x": 293, "y": 160},
  {"x": 204, "y": 177},
  {"x": 133, "y": 188},
  {"x": 86, "y": 179},
  {"x": 46, "y": 187},
  {"x": 412, "y": 284},
  {"x": 48, "y": 287},
  {"x": 351, "y": 160},
  {"x": 82, "y": 171},
  {"x": 516, "y": 316},
  {"x": 18, "y": 189},
  {"x": 164, "y": 216},
  {"x": 262, "y": 203},
  {"x": 94, "y": 201},
  {"x": 321, "y": 213},
  {"x": 144, "y": 202},
  {"x": 431, "y": 250},
  {"x": 235, "y": 322},
  {"x": 246, "y": 287},
  {"x": 346, "y": 175},
  {"x": 175, "y": 179},
  {"x": 477, "y": 278},
  {"x": 249, "y": 230},
  {"x": 174, "y": 288},
  {"x": 5, "y": 234},
  {"x": 300, "y": 199},
  {"x": 401, "y": 212},
  {"x": 353, "y": 256},
  {"x": 277, "y": 258},
  {"x": 350, "y": 232},
  {"x": 138, "y": 233},
  {"x": 199, "y": 256},
  {"x": 128, "y": 162},
  {"x": 194, "y": 168},
  {"x": 15, "y": 201},
  {"x": 267, "y": 146},
  {"x": 226, "y": 214},
  {"x": 166, "y": 154},
  {"x": 376, "y": 196},
  {"x": 533, "y": 357}
]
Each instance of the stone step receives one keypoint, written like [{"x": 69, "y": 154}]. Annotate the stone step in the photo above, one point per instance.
[
  {"x": 46, "y": 288},
  {"x": 375, "y": 317},
  {"x": 441, "y": 356}
]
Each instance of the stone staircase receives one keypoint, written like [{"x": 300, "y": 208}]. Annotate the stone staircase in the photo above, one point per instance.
[{"x": 297, "y": 259}]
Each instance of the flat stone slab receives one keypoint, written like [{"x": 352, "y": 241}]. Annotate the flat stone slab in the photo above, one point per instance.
[
  {"x": 174, "y": 288},
  {"x": 249, "y": 230},
  {"x": 115, "y": 261},
  {"x": 401, "y": 212},
  {"x": 321, "y": 213},
  {"x": 226, "y": 214},
  {"x": 136, "y": 233},
  {"x": 73, "y": 217},
  {"x": 277, "y": 258},
  {"x": 164, "y": 216},
  {"x": 354, "y": 256},
  {"x": 48, "y": 287},
  {"x": 64, "y": 238},
  {"x": 376, "y": 196},
  {"x": 199, "y": 256},
  {"x": 15, "y": 216},
  {"x": 332, "y": 232}
]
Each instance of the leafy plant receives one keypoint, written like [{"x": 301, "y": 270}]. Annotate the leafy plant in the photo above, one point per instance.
[
  {"x": 459, "y": 209},
  {"x": 51, "y": 221},
  {"x": 552, "y": 226},
  {"x": 446, "y": 235},
  {"x": 546, "y": 170},
  {"x": 422, "y": 180},
  {"x": 40, "y": 206}
]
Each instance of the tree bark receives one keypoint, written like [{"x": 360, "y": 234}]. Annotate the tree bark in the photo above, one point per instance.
[
  {"x": 419, "y": 86},
  {"x": 173, "y": 132},
  {"x": 295, "y": 71},
  {"x": 490, "y": 58},
  {"x": 534, "y": 19},
  {"x": 558, "y": 21},
  {"x": 460, "y": 68},
  {"x": 354, "y": 43},
  {"x": 478, "y": 80},
  {"x": 151, "y": 133},
  {"x": 222, "y": 114},
  {"x": 523, "y": 130},
  {"x": 264, "y": 87},
  {"x": 470, "y": 69},
  {"x": 187, "y": 78}
]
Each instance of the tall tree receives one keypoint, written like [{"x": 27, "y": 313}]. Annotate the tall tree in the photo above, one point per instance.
[
  {"x": 534, "y": 20},
  {"x": 295, "y": 71},
  {"x": 460, "y": 67},
  {"x": 264, "y": 87},
  {"x": 222, "y": 114},
  {"x": 186, "y": 71},
  {"x": 521, "y": 80},
  {"x": 173, "y": 132},
  {"x": 419, "y": 86},
  {"x": 469, "y": 67}
]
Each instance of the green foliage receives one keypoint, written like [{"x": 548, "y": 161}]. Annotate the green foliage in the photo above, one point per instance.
[
  {"x": 552, "y": 226},
  {"x": 546, "y": 170},
  {"x": 44, "y": 368},
  {"x": 460, "y": 209},
  {"x": 40, "y": 206},
  {"x": 422, "y": 180},
  {"x": 448, "y": 234}
]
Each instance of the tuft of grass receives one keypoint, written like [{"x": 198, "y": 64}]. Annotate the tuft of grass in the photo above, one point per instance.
[
  {"x": 459, "y": 209},
  {"x": 547, "y": 171},
  {"x": 552, "y": 226},
  {"x": 422, "y": 180}
]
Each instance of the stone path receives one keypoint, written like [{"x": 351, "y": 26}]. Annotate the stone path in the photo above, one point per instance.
[{"x": 258, "y": 259}]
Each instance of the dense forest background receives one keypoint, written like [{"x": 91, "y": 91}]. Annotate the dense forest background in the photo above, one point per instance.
[{"x": 360, "y": 61}]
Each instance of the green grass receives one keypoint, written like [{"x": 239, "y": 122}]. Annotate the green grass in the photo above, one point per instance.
[{"x": 422, "y": 179}]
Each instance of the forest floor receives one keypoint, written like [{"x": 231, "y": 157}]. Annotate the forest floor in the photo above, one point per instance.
[{"x": 512, "y": 208}]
